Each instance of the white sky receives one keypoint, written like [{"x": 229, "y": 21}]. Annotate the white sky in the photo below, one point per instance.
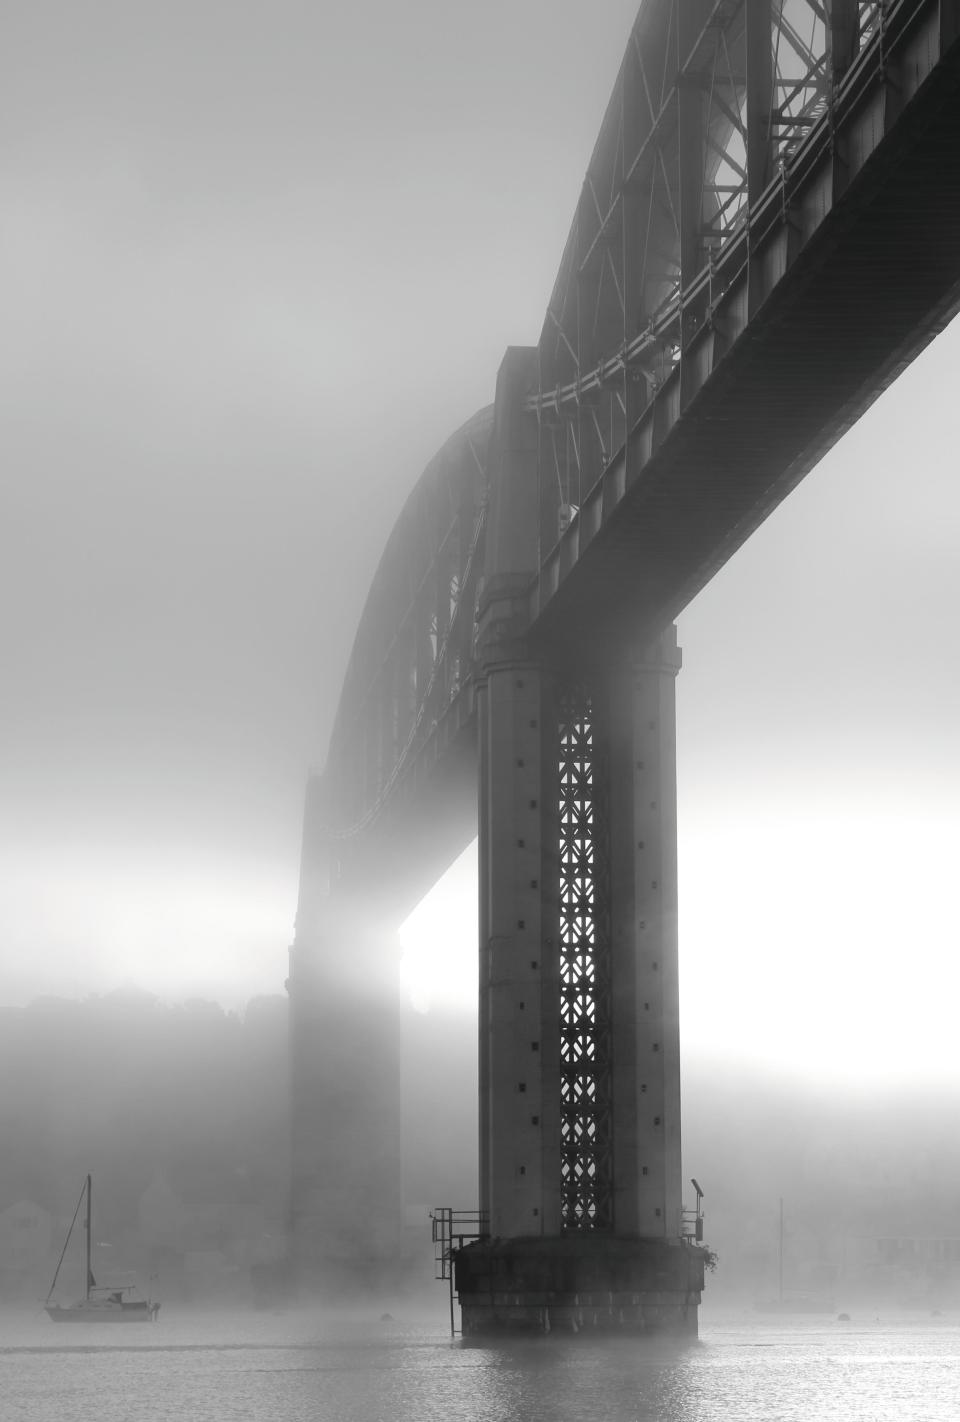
[{"x": 256, "y": 262}]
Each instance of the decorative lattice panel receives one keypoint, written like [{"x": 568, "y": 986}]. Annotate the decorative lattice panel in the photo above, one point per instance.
[{"x": 585, "y": 1069}]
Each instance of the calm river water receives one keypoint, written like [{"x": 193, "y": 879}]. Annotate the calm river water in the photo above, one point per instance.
[{"x": 209, "y": 1367}]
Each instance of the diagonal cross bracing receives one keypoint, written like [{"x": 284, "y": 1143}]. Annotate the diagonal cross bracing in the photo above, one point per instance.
[{"x": 586, "y": 1191}]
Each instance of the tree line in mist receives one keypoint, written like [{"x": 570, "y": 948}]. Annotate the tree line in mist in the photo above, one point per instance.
[
  {"x": 133, "y": 1089},
  {"x": 181, "y": 1113}
]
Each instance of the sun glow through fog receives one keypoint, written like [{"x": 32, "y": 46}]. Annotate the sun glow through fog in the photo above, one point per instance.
[
  {"x": 438, "y": 964},
  {"x": 819, "y": 943}
]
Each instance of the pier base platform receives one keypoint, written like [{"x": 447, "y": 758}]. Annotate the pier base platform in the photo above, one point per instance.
[{"x": 579, "y": 1283}]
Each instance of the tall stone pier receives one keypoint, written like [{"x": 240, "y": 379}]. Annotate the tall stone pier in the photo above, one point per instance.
[{"x": 580, "y": 1169}]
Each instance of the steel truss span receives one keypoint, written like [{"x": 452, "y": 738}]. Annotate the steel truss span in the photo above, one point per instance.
[
  {"x": 768, "y": 231},
  {"x": 713, "y": 104}
]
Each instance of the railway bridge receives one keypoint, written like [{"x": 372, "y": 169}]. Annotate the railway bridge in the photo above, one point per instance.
[{"x": 767, "y": 234}]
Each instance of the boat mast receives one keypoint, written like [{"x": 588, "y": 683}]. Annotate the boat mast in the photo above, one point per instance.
[
  {"x": 780, "y": 1253},
  {"x": 89, "y": 1213},
  {"x": 65, "y": 1244}
]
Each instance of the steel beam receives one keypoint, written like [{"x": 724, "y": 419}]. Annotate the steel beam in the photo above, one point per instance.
[
  {"x": 759, "y": 57},
  {"x": 843, "y": 36}
]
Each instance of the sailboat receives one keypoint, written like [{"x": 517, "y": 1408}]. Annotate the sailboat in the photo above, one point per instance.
[
  {"x": 100, "y": 1303},
  {"x": 793, "y": 1302}
]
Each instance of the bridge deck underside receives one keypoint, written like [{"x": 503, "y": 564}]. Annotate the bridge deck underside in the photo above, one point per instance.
[{"x": 872, "y": 287}]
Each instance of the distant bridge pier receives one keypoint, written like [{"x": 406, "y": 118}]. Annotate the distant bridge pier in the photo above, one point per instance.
[
  {"x": 580, "y": 1170},
  {"x": 345, "y": 1206}
]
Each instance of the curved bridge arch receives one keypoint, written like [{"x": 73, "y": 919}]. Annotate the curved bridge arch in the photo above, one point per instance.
[
  {"x": 408, "y": 684},
  {"x": 396, "y": 800}
]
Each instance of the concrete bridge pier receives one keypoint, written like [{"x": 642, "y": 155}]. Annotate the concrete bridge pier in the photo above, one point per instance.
[
  {"x": 345, "y": 1207},
  {"x": 580, "y": 1171}
]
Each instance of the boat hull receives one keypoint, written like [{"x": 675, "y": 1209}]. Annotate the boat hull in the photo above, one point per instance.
[{"x": 103, "y": 1313}]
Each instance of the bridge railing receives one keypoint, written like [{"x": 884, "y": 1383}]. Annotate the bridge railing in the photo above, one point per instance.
[
  {"x": 720, "y": 120},
  {"x": 451, "y": 1230}
]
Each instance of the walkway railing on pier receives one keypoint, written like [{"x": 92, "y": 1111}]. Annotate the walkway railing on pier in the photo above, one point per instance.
[
  {"x": 451, "y": 1230},
  {"x": 692, "y": 1219}
]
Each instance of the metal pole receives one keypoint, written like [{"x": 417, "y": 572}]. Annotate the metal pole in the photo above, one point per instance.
[{"x": 89, "y": 1213}]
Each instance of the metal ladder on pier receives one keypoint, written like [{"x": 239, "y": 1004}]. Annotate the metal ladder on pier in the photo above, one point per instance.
[
  {"x": 451, "y": 1230},
  {"x": 692, "y": 1226}
]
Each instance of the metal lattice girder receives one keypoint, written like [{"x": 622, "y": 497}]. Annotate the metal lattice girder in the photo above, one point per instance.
[
  {"x": 586, "y": 1166},
  {"x": 716, "y": 103},
  {"x": 782, "y": 168},
  {"x": 710, "y": 99}
]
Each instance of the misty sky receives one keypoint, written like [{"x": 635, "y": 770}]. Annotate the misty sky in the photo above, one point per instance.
[{"x": 258, "y": 260}]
